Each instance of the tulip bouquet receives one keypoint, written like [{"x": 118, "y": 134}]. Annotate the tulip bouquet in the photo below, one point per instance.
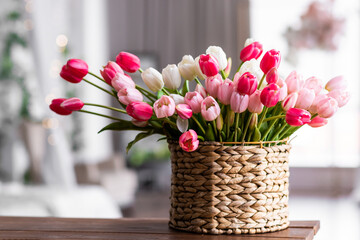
[{"x": 255, "y": 105}]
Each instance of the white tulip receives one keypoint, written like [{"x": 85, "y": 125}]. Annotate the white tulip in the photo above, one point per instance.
[
  {"x": 253, "y": 67},
  {"x": 198, "y": 71},
  {"x": 171, "y": 76},
  {"x": 182, "y": 124},
  {"x": 178, "y": 99},
  {"x": 219, "y": 54},
  {"x": 248, "y": 42},
  {"x": 187, "y": 67},
  {"x": 153, "y": 79}
]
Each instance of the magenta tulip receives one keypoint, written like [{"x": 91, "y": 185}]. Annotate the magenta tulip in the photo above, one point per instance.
[
  {"x": 141, "y": 111},
  {"x": 110, "y": 70},
  {"x": 318, "y": 122},
  {"x": 55, "y": 106},
  {"x": 270, "y": 95},
  {"x": 272, "y": 76},
  {"x": 121, "y": 81},
  {"x": 128, "y": 95},
  {"x": 212, "y": 85},
  {"x": 251, "y": 51},
  {"x": 74, "y": 70},
  {"x": 194, "y": 99},
  {"x": 210, "y": 109},
  {"x": 184, "y": 111},
  {"x": 128, "y": 61},
  {"x": 225, "y": 90},
  {"x": 208, "y": 65},
  {"x": 238, "y": 102},
  {"x": 188, "y": 141},
  {"x": 297, "y": 117},
  {"x": 255, "y": 105},
  {"x": 72, "y": 104},
  {"x": 164, "y": 107},
  {"x": 247, "y": 84},
  {"x": 270, "y": 60},
  {"x": 327, "y": 107},
  {"x": 139, "y": 123}
]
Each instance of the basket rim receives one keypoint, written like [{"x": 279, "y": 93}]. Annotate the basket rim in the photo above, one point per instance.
[{"x": 261, "y": 143}]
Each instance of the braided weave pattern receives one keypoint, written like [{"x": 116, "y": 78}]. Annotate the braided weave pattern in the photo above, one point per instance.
[{"x": 229, "y": 189}]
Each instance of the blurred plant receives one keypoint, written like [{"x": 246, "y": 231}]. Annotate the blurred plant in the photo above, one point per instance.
[{"x": 139, "y": 156}]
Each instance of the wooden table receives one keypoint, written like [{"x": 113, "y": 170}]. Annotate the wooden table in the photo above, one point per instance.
[{"x": 129, "y": 229}]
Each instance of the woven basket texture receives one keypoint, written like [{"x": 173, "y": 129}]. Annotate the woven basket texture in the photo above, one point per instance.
[{"x": 221, "y": 189}]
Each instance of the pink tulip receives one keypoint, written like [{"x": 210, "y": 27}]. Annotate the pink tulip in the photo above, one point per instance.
[
  {"x": 200, "y": 89},
  {"x": 336, "y": 83},
  {"x": 297, "y": 117},
  {"x": 270, "y": 95},
  {"x": 251, "y": 51},
  {"x": 128, "y": 61},
  {"x": 110, "y": 70},
  {"x": 341, "y": 96},
  {"x": 247, "y": 84},
  {"x": 56, "y": 106},
  {"x": 227, "y": 70},
  {"x": 294, "y": 82},
  {"x": 121, "y": 81},
  {"x": 305, "y": 99},
  {"x": 139, "y": 123},
  {"x": 270, "y": 60},
  {"x": 272, "y": 76},
  {"x": 72, "y": 104},
  {"x": 239, "y": 103},
  {"x": 314, "y": 84},
  {"x": 283, "y": 89},
  {"x": 318, "y": 98},
  {"x": 184, "y": 111},
  {"x": 141, "y": 111},
  {"x": 255, "y": 105},
  {"x": 318, "y": 122},
  {"x": 188, "y": 141},
  {"x": 290, "y": 101},
  {"x": 128, "y": 95},
  {"x": 225, "y": 90},
  {"x": 210, "y": 109},
  {"x": 327, "y": 107},
  {"x": 74, "y": 70},
  {"x": 164, "y": 107},
  {"x": 194, "y": 99},
  {"x": 208, "y": 65},
  {"x": 212, "y": 85}
]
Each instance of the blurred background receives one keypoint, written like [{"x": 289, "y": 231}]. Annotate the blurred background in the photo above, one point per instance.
[{"x": 59, "y": 166}]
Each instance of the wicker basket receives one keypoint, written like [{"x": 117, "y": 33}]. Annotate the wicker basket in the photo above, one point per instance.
[{"x": 229, "y": 189}]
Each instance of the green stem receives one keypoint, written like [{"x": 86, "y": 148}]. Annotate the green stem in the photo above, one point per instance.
[
  {"x": 273, "y": 118},
  {"x": 199, "y": 125},
  {"x": 102, "y": 89},
  {"x": 102, "y": 106},
  {"x": 277, "y": 132},
  {"x": 285, "y": 131},
  {"x": 140, "y": 70},
  {"x": 93, "y": 74},
  {"x": 237, "y": 115},
  {"x": 101, "y": 115},
  {"x": 315, "y": 115},
  {"x": 261, "y": 81},
  {"x": 148, "y": 92},
  {"x": 239, "y": 66},
  {"x": 198, "y": 81},
  {"x": 223, "y": 75},
  {"x": 246, "y": 127},
  {"x": 268, "y": 129},
  {"x": 263, "y": 114},
  {"x": 215, "y": 130},
  {"x": 166, "y": 92},
  {"x": 170, "y": 122}
]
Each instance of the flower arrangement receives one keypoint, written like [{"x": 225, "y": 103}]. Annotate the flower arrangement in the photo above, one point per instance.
[{"x": 255, "y": 105}]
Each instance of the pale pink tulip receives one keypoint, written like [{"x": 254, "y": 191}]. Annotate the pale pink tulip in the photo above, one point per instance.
[
  {"x": 314, "y": 84},
  {"x": 239, "y": 103},
  {"x": 110, "y": 70},
  {"x": 164, "y": 107},
  {"x": 305, "y": 99},
  {"x": 184, "y": 111},
  {"x": 318, "y": 98},
  {"x": 128, "y": 95},
  {"x": 283, "y": 89},
  {"x": 225, "y": 90},
  {"x": 194, "y": 99},
  {"x": 210, "y": 109},
  {"x": 212, "y": 85},
  {"x": 290, "y": 101},
  {"x": 327, "y": 107},
  {"x": 341, "y": 96},
  {"x": 318, "y": 122},
  {"x": 255, "y": 105},
  {"x": 200, "y": 89},
  {"x": 294, "y": 82},
  {"x": 336, "y": 83},
  {"x": 121, "y": 80},
  {"x": 188, "y": 141}
]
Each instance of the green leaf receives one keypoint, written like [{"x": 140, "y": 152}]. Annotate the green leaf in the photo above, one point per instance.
[
  {"x": 138, "y": 137},
  {"x": 257, "y": 135},
  {"x": 123, "y": 126},
  {"x": 209, "y": 133},
  {"x": 159, "y": 94},
  {"x": 201, "y": 138},
  {"x": 185, "y": 88},
  {"x": 162, "y": 138}
]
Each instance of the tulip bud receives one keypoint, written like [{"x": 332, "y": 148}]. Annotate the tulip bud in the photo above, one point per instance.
[
  {"x": 171, "y": 76},
  {"x": 72, "y": 104},
  {"x": 178, "y": 99},
  {"x": 283, "y": 89},
  {"x": 336, "y": 83},
  {"x": 255, "y": 105},
  {"x": 210, "y": 109},
  {"x": 164, "y": 107},
  {"x": 182, "y": 124},
  {"x": 56, "y": 106},
  {"x": 153, "y": 79},
  {"x": 184, "y": 111},
  {"x": 305, "y": 98},
  {"x": 74, "y": 70},
  {"x": 341, "y": 96},
  {"x": 314, "y": 84},
  {"x": 219, "y": 122},
  {"x": 187, "y": 67},
  {"x": 188, "y": 141},
  {"x": 294, "y": 82},
  {"x": 318, "y": 98},
  {"x": 271, "y": 59},
  {"x": 272, "y": 76},
  {"x": 194, "y": 99},
  {"x": 290, "y": 101},
  {"x": 251, "y": 51},
  {"x": 270, "y": 95},
  {"x": 110, "y": 70},
  {"x": 139, "y": 123},
  {"x": 253, "y": 122},
  {"x": 128, "y": 61},
  {"x": 128, "y": 95},
  {"x": 227, "y": 70},
  {"x": 141, "y": 111},
  {"x": 238, "y": 102},
  {"x": 212, "y": 85},
  {"x": 225, "y": 91},
  {"x": 297, "y": 117},
  {"x": 318, "y": 122},
  {"x": 247, "y": 84},
  {"x": 198, "y": 71},
  {"x": 208, "y": 65},
  {"x": 219, "y": 54},
  {"x": 200, "y": 89},
  {"x": 327, "y": 107},
  {"x": 121, "y": 81}
]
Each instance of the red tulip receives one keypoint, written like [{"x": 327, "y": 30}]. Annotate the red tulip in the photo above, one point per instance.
[
  {"x": 270, "y": 95},
  {"x": 251, "y": 51},
  {"x": 297, "y": 117},
  {"x": 56, "y": 107},
  {"x": 188, "y": 141},
  {"x": 72, "y": 104},
  {"x": 110, "y": 70},
  {"x": 141, "y": 111},
  {"x": 208, "y": 65},
  {"x": 74, "y": 70},
  {"x": 128, "y": 61},
  {"x": 270, "y": 60},
  {"x": 247, "y": 84}
]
